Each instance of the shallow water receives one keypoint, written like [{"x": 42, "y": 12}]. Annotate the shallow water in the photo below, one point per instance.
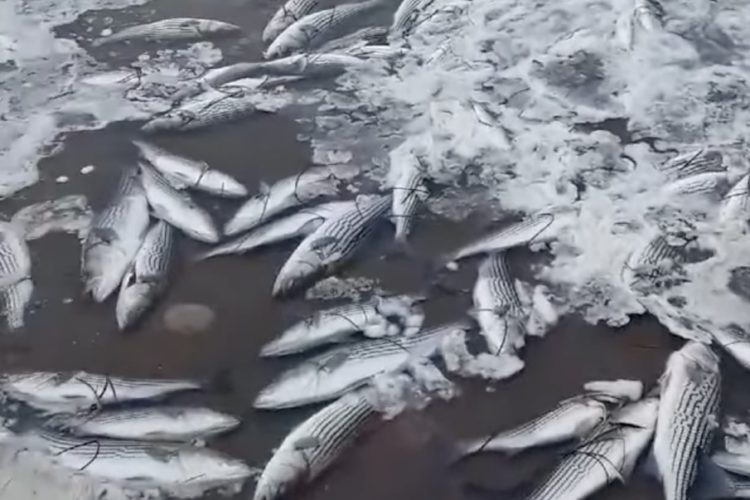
[{"x": 403, "y": 459}]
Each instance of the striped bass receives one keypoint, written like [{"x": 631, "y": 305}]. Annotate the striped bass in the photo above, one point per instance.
[
  {"x": 13, "y": 302},
  {"x": 141, "y": 465},
  {"x": 497, "y": 306},
  {"x": 315, "y": 29},
  {"x": 314, "y": 445},
  {"x": 281, "y": 229},
  {"x": 285, "y": 193},
  {"x": 409, "y": 190},
  {"x": 407, "y": 15},
  {"x": 331, "y": 245},
  {"x": 340, "y": 323},
  {"x": 649, "y": 15},
  {"x": 736, "y": 203},
  {"x": 538, "y": 228},
  {"x": 183, "y": 172},
  {"x": 181, "y": 28},
  {"x": 651, "y": 264},
  {"x": 360, "y": 38},
  {"x": 690, "y": 392},
  {"x": 706, "y": 183},
  {"x": 115, "y": 237},
  {"x": 285, "y": 16},
  {"x": 701, "y": 161},
  {"x": 162, "y": 423},
  {"x": 342, "y": 369},
  {"x": 176, "y": 207},
  {"x": 572, "y": 418},
  {"x": 15, "y": 259},
  {"x": 735, "y": 341},
  {"x": 611, "y": 453},
  {"x": 81, "y": 390},
  {"x": 147, "y": 278},
  {"x": 214, "y": 107}
]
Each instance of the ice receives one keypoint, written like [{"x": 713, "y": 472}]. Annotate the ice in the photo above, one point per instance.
[{"x": 459, "y": 360}]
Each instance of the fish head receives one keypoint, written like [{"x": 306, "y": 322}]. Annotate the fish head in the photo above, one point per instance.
[
  {"x": 249, "y": 215},
  {"x": 285, "y": 470},
  {"x": 694, "y": 357},
  {"x": 222, "y": 182},
  {"x": 294, "y": 388},
  {"x": 102, "y": 270},
  {"x": 286, "y": 342},
  {"x": 275, "y": 26},
  {"x": 214, "y": 421},
  {"x": 133, "y": 301},
  {"x": 297, "y": 273}
]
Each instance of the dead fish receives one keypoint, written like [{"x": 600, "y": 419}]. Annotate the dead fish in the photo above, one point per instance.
[
  {"x": 115, "y": 237},
  {"x": 735, "y": 341},
  {"x": 362, "y": 37},
  {"x": 183, "y": 172},
  {"x": 498, "y": 308},
  {"x": 342, "y": 369},
  {"x": 314, "y": 445},
  {"x": 331, "y": 245},
  {"x": 160, "y": 423},
  {"x": 653, "y": 265},
  {"x": 538, "y": 228},
  {"x": 14, "y": 299},
  {"x": 82, "y": 390},
  {"x": 701, "y": 161},
  {"x": 315, "y": 29},
  {"x": 285, "y": 16},
  {"x": 286, "y": 193},
  {"x": 409, "y": 190},
  {"x": 148, "y": 276},
  {"x": 182, "y": 28},
  {"x": 15, "y": 260},
  {"x": 176, "y": 207},
  {"x": 736, "y": 203},
  {"x": 281, "y": 229},
  {"x": 407, "y": 15}
]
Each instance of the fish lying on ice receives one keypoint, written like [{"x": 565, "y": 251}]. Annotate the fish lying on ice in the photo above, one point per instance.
[
  {"x": 315, "y": 29},
  {"x": 285, "y": 16},
  {"x": 214, "y": 107},
  {"x": 571, "y": 418},
  {"x": 141, "y": 465},
  {"x": 406, "y": 16},
  {"x": 16, "y": 286},
  {"x": 610, "y": 454},
  {"x": 161, "y": 423},
  {"x": 341, "y": 322},
  {"x": 115, "y": 237},
  {"x": 285, "y": 193},
  {"x": 183, "y": 172},
  {"x": 298, "y": 224},
  {"x": 736, "y": 203},
  {"x": 409, "y": 190},
  {"x": 331, "y": 245},
  {"x": 363, "y": 37},
  {"x": 314, "y": 445},
  {"x": 181, "y": 28},
  {"x": 539, "y": 228},
  {"x": 148, "y": 276},
  {"x": 690, "y": 394},
  {"x": 342, "y": 369},
  {"x": 177, "y": 207},
  {"x": 497, "y": 306},
  {"x": 699, "y": 184},
  {"x": 82, "y": 390}
]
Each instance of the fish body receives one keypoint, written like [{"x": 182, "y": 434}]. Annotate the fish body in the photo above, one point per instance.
[
  {"x": 407, "y": 15},
  {"x": 184, "y": 172},
  {"x": 314, "y": 445},
  {"x": 214, "y": 107},
  {"x": 15, "y": 259},
  {"x": 570, "y": 419},
  {"x": 735, "y": 341},
  {"x": 81, "y": 390},
  {"x": 162, "y": 423},
  {"x": 286, "y": 193},
  {"x": 701, "y": 161},
  {"x": 690, "y": 392},
  {"x": 291, "y": 11},
  {"x": 331, "y": 326},
  {"x": 13, "y": 302},
  {"x": 176, "y": 207},
  {"x": 115, "y": 237},
  {"x": 140, "y": 464},
  {"x": 611, "y": 453},
  {"x": 699, "y": 184},
  {"x": 315, "y": 29},
  {"x": 281, "y": 229},
  {"x": 736, "y": 203},
  {"x": 331, "y": 245},
  {"x": 342, "y": 369},
  {"x": 183, "y": 28},
  {"x": 148, "y": 276},
  {"x": 409, "y": 190},
  {"x": 655, "y": 261},
  {"x": 498, "y": 307},
  {"x": 539, "y": 228}
]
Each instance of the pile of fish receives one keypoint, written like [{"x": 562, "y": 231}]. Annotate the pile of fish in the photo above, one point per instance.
[{"x": 107, "y": 428}]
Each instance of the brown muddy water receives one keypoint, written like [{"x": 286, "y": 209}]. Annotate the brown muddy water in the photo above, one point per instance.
[{"x": 404, "y": 459}]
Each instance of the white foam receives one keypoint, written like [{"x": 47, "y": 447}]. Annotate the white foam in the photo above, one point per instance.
[
  {"x": 459, "y": 360},
  {"x": 498, "y": 91}
]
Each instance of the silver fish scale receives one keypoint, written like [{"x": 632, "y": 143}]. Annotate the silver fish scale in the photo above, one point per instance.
[
  {"x": 496, "y": 270},
  {"x": 340, "y": 428},
  {"x": 688, "y": 436},
  {"x": 349, "y": 231},
  {"x": 13, "y": 301},
  {"x": 291, "y": 11},
  {"x": 573, "y": 469},
  {"x": 129, "y": 185},
  {"x": 407, "y": 15},
  {"x": 15, "y": 262},
  {"x": 690, "y": 164},
  {"x": 571, "y": 405},
  {"x": 152, "y": 261}
]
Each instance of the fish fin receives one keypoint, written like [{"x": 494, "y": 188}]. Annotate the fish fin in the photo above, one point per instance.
[
  {"x": 306, "y": 442},
  {"x": 711, "y": 481}
]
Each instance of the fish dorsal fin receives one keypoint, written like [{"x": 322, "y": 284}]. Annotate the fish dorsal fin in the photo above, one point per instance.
[{"x": 306, "y": 442}]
